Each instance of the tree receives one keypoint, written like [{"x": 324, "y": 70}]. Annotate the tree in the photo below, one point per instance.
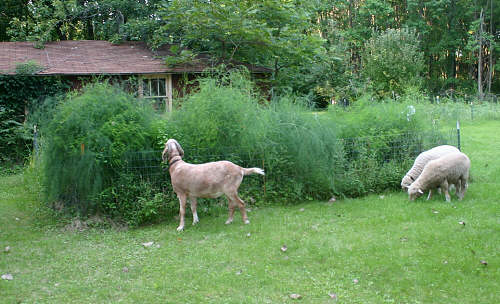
[
  {"x": 10, "y": 9},
  {"x": 50, "y": 20},
  {"x": 297, "y": 39},
  {"x": 393, "y": 61},
  {"x": 274, "y": 33}
]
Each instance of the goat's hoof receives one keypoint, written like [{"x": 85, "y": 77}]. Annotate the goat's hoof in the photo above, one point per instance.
[
  {"x": 247, "y": 221},
  {"x": 195, "y": 222},
  {"x": 180, "y": 228},
  {"x": 229, "y": 222}
]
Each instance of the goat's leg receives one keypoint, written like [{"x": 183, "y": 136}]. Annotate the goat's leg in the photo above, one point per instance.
[
  {"x": 231, "y": 206},
  {"x": 182, "y": 210},
  {"x": 193, "y": 201},
  {"x": 241, "y": 204}
]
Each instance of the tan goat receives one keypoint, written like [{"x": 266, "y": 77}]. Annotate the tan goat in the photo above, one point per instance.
[{"x": 209, "y": 180}]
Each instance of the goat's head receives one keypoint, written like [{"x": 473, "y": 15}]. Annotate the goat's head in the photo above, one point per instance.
[{"x": 172, "y": 148}]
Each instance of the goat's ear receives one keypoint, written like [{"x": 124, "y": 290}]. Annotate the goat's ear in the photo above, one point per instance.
[
  {"x": 181, "y": 152},
  {"x": 164, "y": 154}
]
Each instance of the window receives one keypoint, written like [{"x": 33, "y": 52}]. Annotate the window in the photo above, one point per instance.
[{"x": 158, "y": 89}]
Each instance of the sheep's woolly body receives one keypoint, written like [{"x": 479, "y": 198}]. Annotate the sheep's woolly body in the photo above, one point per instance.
[
  {"x": 452, "y": 168},
  {"x": 422, "y": 160}
]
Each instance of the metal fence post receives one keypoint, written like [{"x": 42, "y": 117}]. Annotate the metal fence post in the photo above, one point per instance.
[
  {"x": 263, "y": 168},
  {"x": 35, "y": 141},
  {"x": 458, "y": 135}
]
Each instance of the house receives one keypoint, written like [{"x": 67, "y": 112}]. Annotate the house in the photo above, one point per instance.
[{"x": 78, "y": 60}]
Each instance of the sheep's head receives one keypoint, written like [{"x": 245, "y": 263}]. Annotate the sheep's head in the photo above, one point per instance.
[
  {"x": 406, "y": 182},
  {"x": 414, "y": 192}
]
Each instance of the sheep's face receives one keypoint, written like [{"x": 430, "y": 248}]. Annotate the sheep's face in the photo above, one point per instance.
[
  {"x": 406, "y": 183},
  {"x": 413, "y": 193}
]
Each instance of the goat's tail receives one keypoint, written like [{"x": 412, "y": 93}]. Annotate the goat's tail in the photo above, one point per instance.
[{"x": 248, "y": 171}]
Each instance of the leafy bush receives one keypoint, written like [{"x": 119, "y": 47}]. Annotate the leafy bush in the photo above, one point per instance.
[
  {"x": 85, "y": 143},
  {"x": 135, "y": 200}
]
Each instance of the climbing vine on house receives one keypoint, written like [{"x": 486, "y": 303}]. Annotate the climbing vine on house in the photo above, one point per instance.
[{"x": 20, "y": 94}]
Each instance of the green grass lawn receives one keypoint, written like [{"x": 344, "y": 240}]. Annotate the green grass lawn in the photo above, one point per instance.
[{"x": 377, "y": 249}]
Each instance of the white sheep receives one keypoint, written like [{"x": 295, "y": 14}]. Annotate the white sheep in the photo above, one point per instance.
[
  {"x": 421, "y": 160},
  {"x": 452, "y": 168}
]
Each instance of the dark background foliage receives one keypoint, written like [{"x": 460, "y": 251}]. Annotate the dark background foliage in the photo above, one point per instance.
[
  {"x": 21, "y": 94},
  {"x": 315, "y": 48}
]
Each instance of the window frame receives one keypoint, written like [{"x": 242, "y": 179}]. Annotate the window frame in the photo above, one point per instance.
[{"x": 167, "y": 98}]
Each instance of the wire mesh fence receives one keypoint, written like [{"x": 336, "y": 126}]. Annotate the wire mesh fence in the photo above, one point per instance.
[{"x": 149, "y": 166}]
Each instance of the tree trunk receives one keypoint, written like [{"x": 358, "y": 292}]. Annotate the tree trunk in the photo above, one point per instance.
[
  {"x": 490, "y": 47},
  {"x": 480, "y": 58},
  {"x": 452, "y": 54}
]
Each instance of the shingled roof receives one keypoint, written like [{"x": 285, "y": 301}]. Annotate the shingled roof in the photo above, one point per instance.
[{"x": 94, "y": 57}]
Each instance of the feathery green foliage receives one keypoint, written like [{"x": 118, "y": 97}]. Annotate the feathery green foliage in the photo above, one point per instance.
[
  {"x": 347, "y": 152},
  {"x": 86, "y": 140},
  {"x": 381, "y": 141}
]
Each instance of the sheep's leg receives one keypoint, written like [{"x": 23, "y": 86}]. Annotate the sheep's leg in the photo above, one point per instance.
[
  {"x": 241, "y": 204},
  {"x": 463, "y": 189},
  {"x": 444, "y": 188},
  {"x": 458, "y": 190},
  {"x": 231, "y": 206},
  {"x": 430, "y": 194},
  {"x": 182, "y": 210},
  {"x": 193, "y": 201}
]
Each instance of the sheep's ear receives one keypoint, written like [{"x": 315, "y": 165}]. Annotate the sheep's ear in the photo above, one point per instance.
[
  {"x": 181, "y": 152},
  {"x": 420, "y": 191}
]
